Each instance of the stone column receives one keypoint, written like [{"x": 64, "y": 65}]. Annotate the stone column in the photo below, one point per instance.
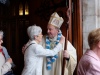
[{"x": 91, "y": 19}]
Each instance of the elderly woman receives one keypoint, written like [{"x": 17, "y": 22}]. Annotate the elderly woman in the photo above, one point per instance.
[
  {"x": 90, "y": 61},
  {"x": 5, "y": 60},
  {"x": 34, "y": 52}
]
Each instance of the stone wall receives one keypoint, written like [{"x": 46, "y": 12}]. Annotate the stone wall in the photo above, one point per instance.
[{"x": 90, "y": 18}]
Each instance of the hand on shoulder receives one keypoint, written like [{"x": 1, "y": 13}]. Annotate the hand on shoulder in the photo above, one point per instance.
[{"x": 62, "y": 40}]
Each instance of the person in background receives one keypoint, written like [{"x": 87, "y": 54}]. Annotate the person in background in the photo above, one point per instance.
[
  {"x": 53, "y": 65},
  {"x": 5, "y": 60},
  {"x": 89, "y": 63},
  {"x": 34, "y": 52}
]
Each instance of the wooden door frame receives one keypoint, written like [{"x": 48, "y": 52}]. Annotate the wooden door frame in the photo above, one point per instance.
[{"x": 77, "y": 28}]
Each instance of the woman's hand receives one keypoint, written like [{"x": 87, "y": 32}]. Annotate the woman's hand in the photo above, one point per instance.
[
  {"x": 62, "y": 40},
  {"x": 9, "y": 60}
]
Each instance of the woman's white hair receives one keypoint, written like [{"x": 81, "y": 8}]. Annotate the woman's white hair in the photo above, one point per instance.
[
  {"x": 33, "y": 31},
  {"x": 1, "y": 33}
]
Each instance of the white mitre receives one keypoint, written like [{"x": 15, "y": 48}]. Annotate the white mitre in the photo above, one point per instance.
[{"x": 56, "y": 20}]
